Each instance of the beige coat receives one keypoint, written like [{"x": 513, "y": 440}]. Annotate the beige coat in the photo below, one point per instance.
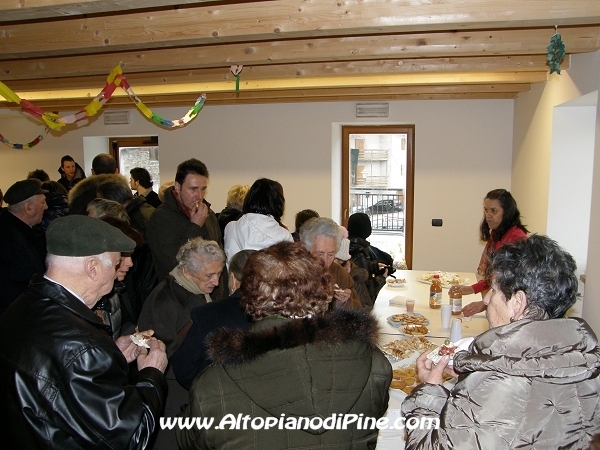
[{"x": 526, "y": 385}]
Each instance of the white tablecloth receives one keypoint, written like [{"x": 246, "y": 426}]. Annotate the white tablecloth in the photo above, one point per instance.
[{"x": 414, "y": 289}]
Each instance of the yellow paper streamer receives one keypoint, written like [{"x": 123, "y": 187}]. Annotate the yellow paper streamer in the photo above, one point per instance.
[
  {"x": 8, "y": 94},
  {"x": 93, "y": 107},
  {"x": 51, "y": 122},
  {"x": 113, "y": 74},
  {"x": 144, "y": 109}
]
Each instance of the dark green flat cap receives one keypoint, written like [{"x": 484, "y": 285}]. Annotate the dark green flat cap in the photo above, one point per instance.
[
  {"x": 22, "y": 190},
  {"x": 85, "y": 236}
]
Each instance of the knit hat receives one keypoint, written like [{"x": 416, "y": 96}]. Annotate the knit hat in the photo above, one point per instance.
[
  {"x": 22, "y": 190},
  {"x": 359, "y": 226},
  {"x": 85, "y": 236},
  {"x": 344, "y": 251}
]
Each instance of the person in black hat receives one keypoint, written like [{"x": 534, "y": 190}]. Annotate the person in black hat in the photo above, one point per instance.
[
  {"x": 22, "y": 247},
  {"x": 378, "y": 263},
  {"x": 66, "y": 383}
]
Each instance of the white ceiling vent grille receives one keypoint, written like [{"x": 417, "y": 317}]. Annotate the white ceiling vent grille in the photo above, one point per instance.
[
  {"x": 116, "y": 118},
  {"x": 372, "y": 110}
]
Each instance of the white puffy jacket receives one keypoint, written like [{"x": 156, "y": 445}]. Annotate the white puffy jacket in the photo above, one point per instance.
[{"x": 254, "y": 232}]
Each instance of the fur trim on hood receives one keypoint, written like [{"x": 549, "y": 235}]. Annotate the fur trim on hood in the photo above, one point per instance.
[
  {"x": 85, "y": 191},
  {"x": 238, "y": 347}
]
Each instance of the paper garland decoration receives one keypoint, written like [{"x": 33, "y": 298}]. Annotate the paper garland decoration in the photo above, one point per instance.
[
  {"x": 236, "y": 70},
  {"x": 556, "y": 52},
  {"x": 27, "y": 146},
  {"x": 115, "y": 79}
]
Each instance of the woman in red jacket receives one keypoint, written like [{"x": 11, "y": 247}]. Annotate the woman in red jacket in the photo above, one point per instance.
[{"x": 501, "y": 225}]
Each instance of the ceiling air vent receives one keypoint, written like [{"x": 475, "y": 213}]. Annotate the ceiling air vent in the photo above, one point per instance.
[
  {"x": 116, "y": 118},
  {"x": 372, "y": 110}
]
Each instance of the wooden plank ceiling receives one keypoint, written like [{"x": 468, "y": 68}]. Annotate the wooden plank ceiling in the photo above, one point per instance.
[{"x": 58, "y": 53}]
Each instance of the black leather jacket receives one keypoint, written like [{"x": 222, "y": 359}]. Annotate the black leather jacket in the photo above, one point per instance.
[{"x": 65, "y": 384}]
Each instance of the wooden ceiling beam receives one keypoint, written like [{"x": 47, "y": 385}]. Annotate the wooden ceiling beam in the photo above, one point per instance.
[
  {"x": 281, "y": 19},
  {"x": 535, "y": 63},
  {"x": 353, "y": 82},
  {"x": 401, "y": 47},
  {"x": 19, "y": 10},
  {"x": 376, "y": 93}
]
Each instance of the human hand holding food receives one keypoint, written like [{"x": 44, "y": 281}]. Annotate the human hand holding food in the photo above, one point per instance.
[
  {"x": 199, "y": 213},
  {"x": 341, "y": 295},
  {"x": 155, "y": 357},
  {"x": 129, "y": 348},
  {"x": 431, "y": 373}
]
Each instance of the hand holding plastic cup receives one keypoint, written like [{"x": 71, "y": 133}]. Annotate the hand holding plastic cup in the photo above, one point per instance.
[
  {"x": 446, "y": 312},
  {"x": 410, "y": 305}
]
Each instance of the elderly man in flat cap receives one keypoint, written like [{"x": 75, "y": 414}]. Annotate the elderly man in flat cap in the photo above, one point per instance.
[
  {"x": 22, "y": 247},
  {"x": 65, "y": 382}
]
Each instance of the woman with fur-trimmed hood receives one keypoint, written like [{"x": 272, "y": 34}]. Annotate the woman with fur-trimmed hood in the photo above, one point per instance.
[{"x": 302, "y": 364}]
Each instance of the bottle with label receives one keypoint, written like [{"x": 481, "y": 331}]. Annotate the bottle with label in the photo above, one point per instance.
[
  {"x": 435, "y": 293},
  {"x": 455, "y": 301}
]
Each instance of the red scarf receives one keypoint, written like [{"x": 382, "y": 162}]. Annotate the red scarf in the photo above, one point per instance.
[{"x": 186, "y": 211}]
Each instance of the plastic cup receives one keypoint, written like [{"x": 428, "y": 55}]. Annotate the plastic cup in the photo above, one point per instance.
[
  {"x": 456, "y": 331},
  {"x": 410, "y": 305},
  {"x": 446, "y": 312}
]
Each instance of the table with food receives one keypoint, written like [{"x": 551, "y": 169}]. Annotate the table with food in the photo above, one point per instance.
[{"x": 405, "y": 335}]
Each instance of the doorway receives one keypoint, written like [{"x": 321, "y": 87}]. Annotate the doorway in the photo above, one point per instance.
[
  {"x": 131, "y": 152},
  {"x": 378, "y": 180}
]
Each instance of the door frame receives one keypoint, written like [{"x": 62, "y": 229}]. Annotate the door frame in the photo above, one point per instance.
[{"x": 409, "y": 130}]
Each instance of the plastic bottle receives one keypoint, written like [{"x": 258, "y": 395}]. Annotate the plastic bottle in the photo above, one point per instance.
[
  {"x": 455, "y": 301},
  {"x": 435, "y": 293}
]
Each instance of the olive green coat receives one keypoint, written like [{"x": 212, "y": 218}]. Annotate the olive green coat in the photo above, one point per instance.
[{"x": 304, "y": 368}]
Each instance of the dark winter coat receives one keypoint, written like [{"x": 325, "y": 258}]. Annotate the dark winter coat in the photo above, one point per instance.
[
  {"x": 169, "y": 228},
  {"x": 57, "y": 207},
  {"x": 111, "y": 310},
  {"x": 68, "y": 184},
  {"x": 139, "y": 213},
  {"x": 167, "y": 310},
  {"x": 190, "y": 358},
  {"x": 65, "y": 384},
  {"x": 300, "y": 368},
  {"x": 22, "y": 254},
  {"x": 140, "y": 281},
  {"x": 153, "y": 199},
  {"x": 367, "y": 257},
  {"x": 531, "y": 384}
]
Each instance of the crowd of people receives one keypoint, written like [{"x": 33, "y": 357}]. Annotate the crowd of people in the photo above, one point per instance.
[{"x": 119, "y": 309}]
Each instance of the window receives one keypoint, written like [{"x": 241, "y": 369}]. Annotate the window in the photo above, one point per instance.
[
  {"x": 377, "y": 168},
  {"x": 133, "y": 152}
]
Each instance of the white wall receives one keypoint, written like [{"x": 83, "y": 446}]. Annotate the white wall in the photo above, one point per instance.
[
  {"x": 532, "y": 158},
  {"x": 463, "y": 150},
  {"x": 571, "y": 171},
  {"x": 591, "y": 299}
]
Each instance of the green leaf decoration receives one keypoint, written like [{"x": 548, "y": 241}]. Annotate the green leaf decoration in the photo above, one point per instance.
[{"x": 556, "y": 53}]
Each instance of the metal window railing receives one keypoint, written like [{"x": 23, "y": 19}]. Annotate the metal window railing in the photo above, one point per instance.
[{"x": 385, "y": 210}]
